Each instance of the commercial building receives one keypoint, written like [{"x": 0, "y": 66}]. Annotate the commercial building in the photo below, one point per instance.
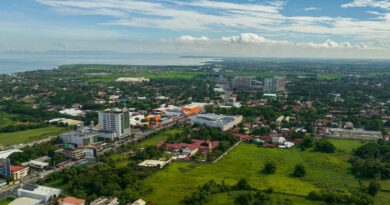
[
  {"x": 74, "y": 154},
  {"x": 5, "y": 167},
  {"x": 38, "y": 164},
  {"x": 6, "y": 153},
  {"x": 223, "y": 122},
  {"x": 25, "y": 201},
  {"x": 274, "y": 85},
  {"x": 19, "y": 172},
  {"x": 240, "y": 83},
  {"x": 359, "y": 134},
  {"x": 81, "y": 136},
  {"x": 42, "y": 193},
  {"x": 114, "y": 123}
]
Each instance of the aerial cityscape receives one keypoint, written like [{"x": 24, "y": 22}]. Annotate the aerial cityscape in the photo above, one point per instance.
[{"x": 198, "y": 102}]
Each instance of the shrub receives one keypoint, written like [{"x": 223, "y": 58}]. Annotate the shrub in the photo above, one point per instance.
[{"x": 269, "y": 167}]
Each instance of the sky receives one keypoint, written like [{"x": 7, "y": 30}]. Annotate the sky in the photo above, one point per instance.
[{"x": 242, "y": 28}]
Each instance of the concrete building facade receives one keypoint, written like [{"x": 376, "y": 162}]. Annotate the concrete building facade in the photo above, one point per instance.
[{"x": 115, "y": 122}]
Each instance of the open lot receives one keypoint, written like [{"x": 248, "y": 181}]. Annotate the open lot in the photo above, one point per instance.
[
  {"x": 30, "y": 135},
  {"x": 177, "y": 180},
  {"x": 162, "y": 136}
]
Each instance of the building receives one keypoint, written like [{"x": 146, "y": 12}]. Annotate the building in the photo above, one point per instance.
[
  {"x": 240, "y": 83},
  {"x": 114, "y": 122},
  {"x": 38, "y": 164},
  {"x": 72, "y": 112},
  {"x": 274, "y": 85},
  {"x": 71, "y": 201},
  {"x": 358, "y": 134},
  {"x": 105, "y": 201},
  {"x": 6, "y": 153},
  {"x": 132, "y": 79},
  {"x": 185, "y": 150},
  {"x": 139, "y": 202},
  {"x": 5, "y": 167},
  {"x": 278, "y": 140},
  {"x": 223, "y": 122},
  {"x": 74, "y": 154},
  {"x": 81, "y": 136},
  {"x": 154, "y": 163},
  {"x": 25, "y": 201},
  {"x": 19, "y": 172},
  {"x": 42, "y": 193}
]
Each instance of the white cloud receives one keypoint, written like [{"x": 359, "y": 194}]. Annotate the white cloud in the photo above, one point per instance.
[
  {"x": 385, "y": 4},
  {"x": 251, "y": 38},
  {"x": 221, "y": 16},
  {"x": 312, "y": 9}
]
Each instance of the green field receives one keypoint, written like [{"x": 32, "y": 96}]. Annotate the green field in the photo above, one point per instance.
[
  {"x": 162, "y": 136},
  {"x": 176, "y": 181},
  {"x": 30, "y": 135},
  {"x": 6, "y": 201}
]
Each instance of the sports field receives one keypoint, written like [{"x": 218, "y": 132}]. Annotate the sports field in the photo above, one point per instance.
[{"x": 173, "y": 183}]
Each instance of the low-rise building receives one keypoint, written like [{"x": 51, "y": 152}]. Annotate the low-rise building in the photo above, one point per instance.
[
  {"x": 25, "y": 201},
  {"x": 223, "y": 122},
  {"x": 105, "y": 201},
  {"x": 359, "y": 134},
  {"x": 19, "y": 172},
  {"x": 74, "y": 154},
  {"x": 154, "y": 163},
  {"x": 139, "y": 202},
  {"x": 71, "y": 201},
  {"x": 38, "y": 164},
  {"x": 42, "y": 193}
]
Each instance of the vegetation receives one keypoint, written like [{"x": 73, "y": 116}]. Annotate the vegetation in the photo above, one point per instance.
[
  {"x": 30, "y": 135},
  {"x": 324, "y": 146},
  {"x": 299, "y": 170},
  {"x": 111, "y": 177},
  {"x": 324, "y": 171},
  {"x": 269, "y": 167},
  {"x": 372, "y": 160}
]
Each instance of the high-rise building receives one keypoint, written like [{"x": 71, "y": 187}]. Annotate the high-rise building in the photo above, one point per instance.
[
  {"x": 115, "y": 122},
  {"x": 245, "y": 83},
  {"x": 276, "y": 84}
]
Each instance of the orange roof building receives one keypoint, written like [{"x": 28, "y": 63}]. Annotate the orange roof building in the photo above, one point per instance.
[{"x": 71, "y": 201}]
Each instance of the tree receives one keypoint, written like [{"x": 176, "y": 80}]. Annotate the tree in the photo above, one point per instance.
[
  {"x": 299, "y": 170},
  {"x": 242, "y": 184},
  {"x": 307, "y": 142},
  {"x": 373, "y": 188},
  {"x": 269, "y": 167},
  {"x": 324, "y": 146}
]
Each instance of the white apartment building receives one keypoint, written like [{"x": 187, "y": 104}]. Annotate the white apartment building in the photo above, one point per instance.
[{"x": 115, "y": 122}]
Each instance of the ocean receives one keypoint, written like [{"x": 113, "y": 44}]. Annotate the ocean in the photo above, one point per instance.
[{"x": 20, "y": 62}]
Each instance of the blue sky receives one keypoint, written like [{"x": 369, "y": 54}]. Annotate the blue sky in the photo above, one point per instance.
[{"x": 285, "y": 28}]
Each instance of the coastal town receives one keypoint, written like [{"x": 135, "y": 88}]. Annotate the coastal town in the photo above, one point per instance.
[{"x": 138, "y": 122}]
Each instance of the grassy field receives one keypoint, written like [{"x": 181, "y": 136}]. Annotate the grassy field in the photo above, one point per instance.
[
  {"x": 121, "y": 160},
  {"x": 158, "y": 138},
  {"x": 6, "y": 201},
  {"x": 246, "y": 161},
  {"x": 228, "y": 199},
  {"x": 30, "y": 135}
]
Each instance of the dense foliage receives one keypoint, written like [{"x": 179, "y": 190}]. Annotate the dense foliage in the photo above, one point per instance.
[{"x": 372, "y": 160}]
